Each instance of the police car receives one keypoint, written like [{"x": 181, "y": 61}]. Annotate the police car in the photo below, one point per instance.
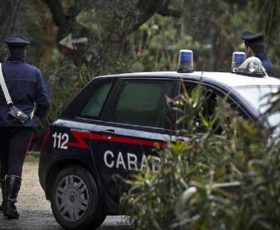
[{"x": 115, "y": 124}]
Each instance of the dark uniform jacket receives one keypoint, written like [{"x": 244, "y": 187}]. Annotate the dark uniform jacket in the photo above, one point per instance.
[
  {"x": 266, "y": 63},
  {"x": 27, "y": 89}
]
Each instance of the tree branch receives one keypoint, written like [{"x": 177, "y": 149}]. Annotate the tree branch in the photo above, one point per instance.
[
  {"x": 57, "y": 12},
  {"x": 169, "y": 12},
  {"x": 164, "y": 10}
]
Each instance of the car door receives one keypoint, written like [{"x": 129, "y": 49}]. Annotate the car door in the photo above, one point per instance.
[
  {"x": 213, "y": 98},
  {"x": 136, "y": 120}
]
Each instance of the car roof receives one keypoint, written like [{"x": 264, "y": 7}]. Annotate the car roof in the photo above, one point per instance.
[{"x": 225, "y": 78}]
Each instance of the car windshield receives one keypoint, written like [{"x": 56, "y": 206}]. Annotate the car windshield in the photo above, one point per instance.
[{"x": 260, "y": 97}]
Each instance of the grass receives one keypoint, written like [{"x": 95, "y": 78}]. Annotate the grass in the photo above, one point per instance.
[{"x": 32, "y": 158}]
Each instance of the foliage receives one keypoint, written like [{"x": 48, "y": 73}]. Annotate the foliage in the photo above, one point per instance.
[
  {"x": 186, "y": 193},
  {"x": 156, "y": 45},
  {"x": 65, "y": 80},
  {"x": 268, "y": 21},
  {"x": 268, "y": 12}
]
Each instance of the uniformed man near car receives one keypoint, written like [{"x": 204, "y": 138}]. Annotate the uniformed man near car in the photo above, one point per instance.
[
  {"x": 29, "y": 93},
  {"x": 254, "y": 46}
]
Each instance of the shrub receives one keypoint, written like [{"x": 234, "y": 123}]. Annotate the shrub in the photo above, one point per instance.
[{"x": 212, "y": 180}]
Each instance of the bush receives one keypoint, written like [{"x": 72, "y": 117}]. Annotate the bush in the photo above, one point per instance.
[{"x": 211, "y": 180}]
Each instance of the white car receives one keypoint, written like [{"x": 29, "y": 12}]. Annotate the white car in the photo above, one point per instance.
[{"x": 114, "y": 124}]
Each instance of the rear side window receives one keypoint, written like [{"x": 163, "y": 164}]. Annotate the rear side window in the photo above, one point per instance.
[
  {"x": 95, "y": 104},
  {"x": 142, "y": 102}
]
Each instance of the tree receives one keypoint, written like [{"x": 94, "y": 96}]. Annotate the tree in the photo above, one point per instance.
[
  {"x": 101, "y": 26},
  {"x": 269, "y": 12}
]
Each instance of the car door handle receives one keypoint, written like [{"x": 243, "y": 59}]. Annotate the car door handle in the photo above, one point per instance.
[
  {"x": 182, "y": 138},
  {"x": 110, "y": 130}
]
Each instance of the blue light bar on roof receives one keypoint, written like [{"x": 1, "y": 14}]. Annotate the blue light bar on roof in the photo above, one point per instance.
[
  {"x": 185, "y": 63},
  {"x": 237, "y": 59}
]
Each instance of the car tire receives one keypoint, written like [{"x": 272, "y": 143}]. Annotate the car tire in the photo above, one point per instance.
[{"x": 75, "y": 199}]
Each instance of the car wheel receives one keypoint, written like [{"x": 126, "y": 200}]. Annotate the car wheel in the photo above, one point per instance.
[{"x": 75, "y": 199}]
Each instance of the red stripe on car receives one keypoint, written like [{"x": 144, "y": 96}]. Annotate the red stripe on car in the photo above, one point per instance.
[{"x": 81, "y": 138}]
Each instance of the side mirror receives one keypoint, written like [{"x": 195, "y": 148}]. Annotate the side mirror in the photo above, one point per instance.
[{"x": 252, "y": 66}]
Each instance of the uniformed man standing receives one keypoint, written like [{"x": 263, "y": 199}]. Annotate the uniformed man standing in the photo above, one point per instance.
[
  {"x": 254, "y": 46},
  {"x": 29, "y": 93}
]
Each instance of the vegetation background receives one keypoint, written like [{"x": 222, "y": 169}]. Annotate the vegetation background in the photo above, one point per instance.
[
  {"x": 224, "y": 177},
  {"x": 110, "y": 36}
]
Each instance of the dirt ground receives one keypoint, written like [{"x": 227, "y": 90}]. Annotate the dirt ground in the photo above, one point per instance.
[
  {"x": 32, "y": 205},
  {"x": 31, "y": 196},
  {"x": 35, "y": 211}
]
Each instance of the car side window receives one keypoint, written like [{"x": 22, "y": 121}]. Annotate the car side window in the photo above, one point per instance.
[
  {"x": 94, "y": 105},
  {"x": 142, "y": 102},
  {"x": 208, "y": 104},
  {"x": 211, "y": 102}
]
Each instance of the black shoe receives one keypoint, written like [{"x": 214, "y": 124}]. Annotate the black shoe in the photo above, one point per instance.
[
  {"x": 2, "y": 208},
  {"x": 12, "y": 187},
  {"x": 11, "y": 212}
]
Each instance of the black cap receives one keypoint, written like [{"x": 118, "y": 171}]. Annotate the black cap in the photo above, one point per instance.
[
  {"x": 16, "y": 40},
  {"x": 250, "y": 37}
]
